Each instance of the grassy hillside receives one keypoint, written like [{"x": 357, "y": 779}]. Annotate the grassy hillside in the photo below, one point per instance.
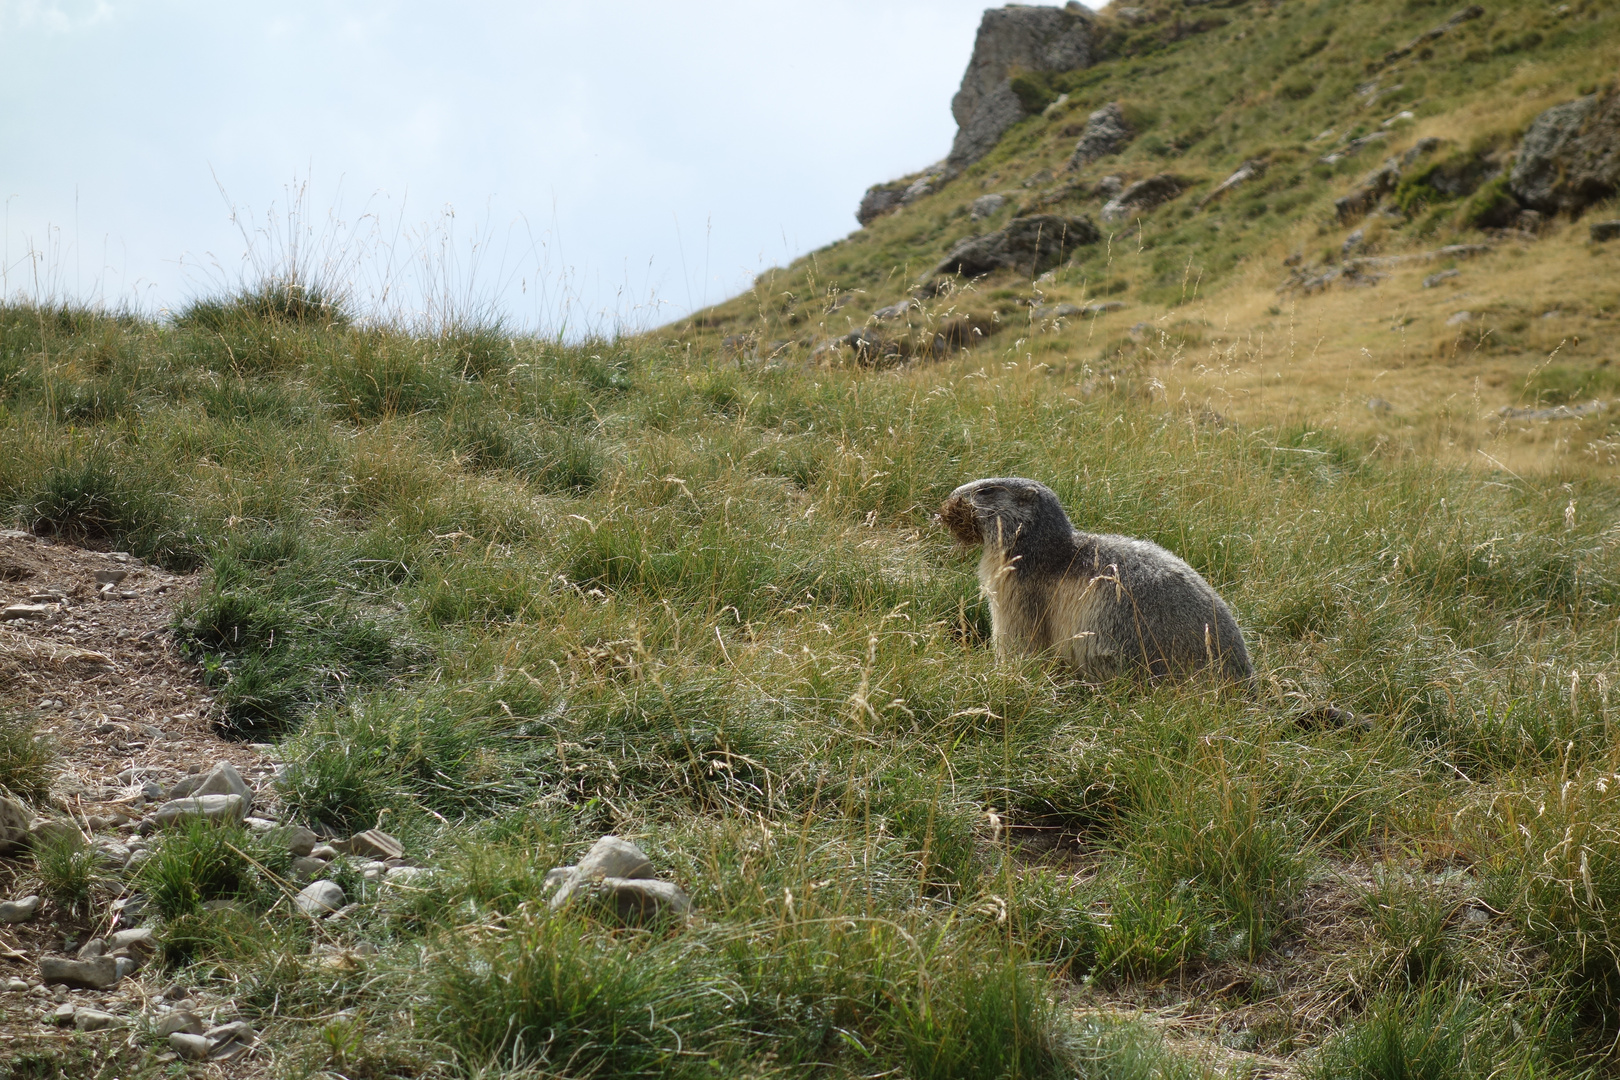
[
  {"x": 505, "y": 595},
  {"x": 1206, "y": 321}
]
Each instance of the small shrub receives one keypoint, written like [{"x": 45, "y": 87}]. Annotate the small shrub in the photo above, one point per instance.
[{"x": 28, "y": 760}]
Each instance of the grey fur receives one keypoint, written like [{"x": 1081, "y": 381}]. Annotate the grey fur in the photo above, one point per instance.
[{"x": 1110, "y": 605}]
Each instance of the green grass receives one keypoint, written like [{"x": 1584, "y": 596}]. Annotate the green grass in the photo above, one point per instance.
[
  {"x": 500, "y": 595},
  {"x": 746, "y": 644},
  {"x": 28, "y": 757}
]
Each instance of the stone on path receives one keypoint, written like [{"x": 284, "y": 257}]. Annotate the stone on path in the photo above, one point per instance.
[
  {"x": 16, "y": 911},
  {"x": 319, "y": 898},
  {"x": 100, "y": 973}
]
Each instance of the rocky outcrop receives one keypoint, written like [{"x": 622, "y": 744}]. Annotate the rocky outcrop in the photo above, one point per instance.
[
  {"x": 1570, "y": 157},
  {"x": 1029, "y": 245},
  {"x": 1107, "y": 131},
  {"x": 1142, "y": 196},
  {"x": 1013, "y": 38},
  {"x": 1381, "y": 181},
  {"x": 881, "y": 199}
]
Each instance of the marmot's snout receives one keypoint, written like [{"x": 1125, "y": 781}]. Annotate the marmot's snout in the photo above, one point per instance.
[{"x": 957, "y": 516}]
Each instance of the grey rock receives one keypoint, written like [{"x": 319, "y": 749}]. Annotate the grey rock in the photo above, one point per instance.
[
  {"x": 636, "y": 900},
  {"x": 305, "y": 867},
  {"x": 613, "y": 856},
  {"x": 217, "y": 808},
  {"x": 893, "y": 311},
  {"x": 1039, "y": 39},
  {"x": 16, "y": 911},
  {"x": 222, "y": 779},
  {"x": 1142, "y": 196},
  {"x": 371, "y": 844},
  {"x": 1460, "y": 318},
  {"x": 27, "y": 611},
  {"x": 52, "y": 831},
  {"x": 14, "y": 819},
  {"x": 407, "y": 875},
  {"x": 324, "y": 851},
  {"x": 95, "y": 1020},
  {"x": 1570, "y": 156},
  {"x": 112, "y": 854},
  {"x": 179, "y": 1020},
  {"x": 137, "y": 939},
  {"x": 295, "y": 838},
  {"x": 1246, "y": 172},
  {"x": 556, "y": 876},
  {"x": 62, "y": 1015},
  {"x": 1106, "y": 132},
  {"x": 1373, "y": 187},
  {"x": 100, "y": 973},
  {"x": 986, "y": 206},
  {"x": 1353, "y": 243},
  {"x": 881, "y": 199},
  {"x": 1029, "y": 245},
  {"x": 1435, "y": 279},
  {"x": 1556, "y": 412},
  {"x": 229, "y": 1041},
  {"x": 125, "y": 966},
  {"x": 1604, "y": 231},
  {"x": 319, "y": 898},
  {"x": 93, "y": 948},
  {"x": 609, "y": 857},
  {"x": 189, "y": 1046}
]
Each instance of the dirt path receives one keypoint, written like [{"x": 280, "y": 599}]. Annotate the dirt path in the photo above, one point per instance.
[{"x": 85, "y": 647}]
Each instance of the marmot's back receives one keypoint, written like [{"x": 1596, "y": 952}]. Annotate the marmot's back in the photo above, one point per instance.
[{"x": 1152, "y": 610}]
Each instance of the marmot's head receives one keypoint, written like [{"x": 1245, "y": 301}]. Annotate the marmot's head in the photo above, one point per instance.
[{"x": 1003, "y": 511}]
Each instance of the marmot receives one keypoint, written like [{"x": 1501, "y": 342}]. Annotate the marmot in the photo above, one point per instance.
[{"x": 1108, "y": 605}]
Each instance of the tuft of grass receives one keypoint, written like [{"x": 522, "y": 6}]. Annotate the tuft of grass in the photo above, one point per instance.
[
  {"x": 28, "y": 758},
  {"x": 275, "y": 301},
  {"x": 198, "y": 863},
  {"x": 68, "y": 871}
]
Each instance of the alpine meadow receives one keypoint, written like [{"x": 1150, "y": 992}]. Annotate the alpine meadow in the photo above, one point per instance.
[{"x": 1318, "y": 295}]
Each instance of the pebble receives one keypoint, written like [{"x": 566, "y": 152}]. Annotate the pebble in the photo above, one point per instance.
[
  {"x": 100, "y": 973},
  {"x": 17, "y": 986},
  {"x": 211, "y": 807},
  {"x": 187, "y": 1045},
  {"x": 324, "y": 852},
  {"x": 295, "y": 838},
  {"x": 183, "y": 1020},
  {"x": 95, "y": 1020},
  {"x": 91, "y": 949},
  {"x": 138, "y": 938},
  {"x": 373, "y": 844},
  {"x": 305, "y": 867},
  {"x": 319, "y": 897},
  {"x": 16, "y": 911}
]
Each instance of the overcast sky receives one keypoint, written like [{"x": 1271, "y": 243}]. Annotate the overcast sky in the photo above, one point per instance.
[{"x": 605, "y": 163}]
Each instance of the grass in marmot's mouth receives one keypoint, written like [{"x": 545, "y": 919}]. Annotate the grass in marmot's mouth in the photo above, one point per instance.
[{"x": 510, "y": 599}]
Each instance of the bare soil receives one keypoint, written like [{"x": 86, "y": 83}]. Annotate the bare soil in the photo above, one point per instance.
[{"x": 99, "y": 668}]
